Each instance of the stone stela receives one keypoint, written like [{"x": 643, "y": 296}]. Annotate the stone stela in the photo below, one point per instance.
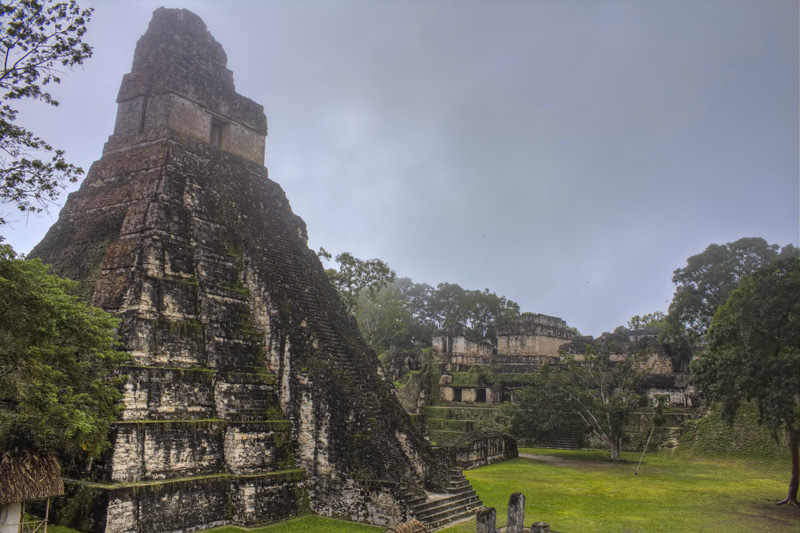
[{"x": 487, "y": 519}]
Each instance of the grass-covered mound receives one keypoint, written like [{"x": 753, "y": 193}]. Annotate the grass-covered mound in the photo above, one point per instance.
[{"x": 711, "y": 436}]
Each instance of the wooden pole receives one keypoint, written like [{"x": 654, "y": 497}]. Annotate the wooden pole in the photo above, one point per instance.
[{"x": 643, "y": 451}]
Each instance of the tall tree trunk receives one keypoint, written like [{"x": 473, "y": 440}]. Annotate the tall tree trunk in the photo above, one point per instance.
[
  {"x": 794, "y": 481},
  {"x": 614, "y": 443}
]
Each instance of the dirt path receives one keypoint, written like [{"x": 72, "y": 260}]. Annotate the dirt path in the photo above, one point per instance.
[{"x": 555, "y": 460}]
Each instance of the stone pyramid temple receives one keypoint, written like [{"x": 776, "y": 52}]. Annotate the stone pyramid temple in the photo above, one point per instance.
[{"x": 250, "y": 395}]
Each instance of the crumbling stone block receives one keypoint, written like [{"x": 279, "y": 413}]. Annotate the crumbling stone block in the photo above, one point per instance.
[
  {"x": 486, "y": 519},
  {"x": 540, "y": 527}
]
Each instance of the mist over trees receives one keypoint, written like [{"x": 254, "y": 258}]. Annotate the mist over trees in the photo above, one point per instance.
[
  {"x": 405, "y": 314},
  {"x": 397, "y": 313}
]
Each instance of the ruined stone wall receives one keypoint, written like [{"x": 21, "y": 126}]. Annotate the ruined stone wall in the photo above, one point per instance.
[
  {"x": 477, "y": 448},
  {"x": 529, "y": 345},
  {"x": 533, "y": 334},
  {"x": 456, "y": 343},
  {"x": 169, "y": 111}
]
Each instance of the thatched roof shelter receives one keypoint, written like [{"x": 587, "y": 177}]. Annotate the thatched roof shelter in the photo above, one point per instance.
[{"x": 29, "y": 476}]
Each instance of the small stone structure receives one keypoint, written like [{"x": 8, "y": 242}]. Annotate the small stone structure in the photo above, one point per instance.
[
  {"x": 533, "y": 340},
  {"x": 533, "y": 334},
  {"x": 454, "y": 341},
  {"x": 478, "y": 448}
]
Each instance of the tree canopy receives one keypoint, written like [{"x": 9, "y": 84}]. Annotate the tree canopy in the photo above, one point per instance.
[
  {"x": 38, "y": 38},
  {"x": 754, "y": 354},
  {"x": 58, "y": 390},
  {"x": 709, "y": 277},
  {"x": 399, "y": 313},
  {"x": 355, "y": 276},
  {"x": 704, "y": 284}
]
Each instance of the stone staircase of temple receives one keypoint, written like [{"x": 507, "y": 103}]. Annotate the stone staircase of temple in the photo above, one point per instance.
[{"x": 437, "y": 510}]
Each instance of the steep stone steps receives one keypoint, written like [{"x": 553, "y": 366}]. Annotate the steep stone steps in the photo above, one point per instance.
[{"x": 437, "y": 510}]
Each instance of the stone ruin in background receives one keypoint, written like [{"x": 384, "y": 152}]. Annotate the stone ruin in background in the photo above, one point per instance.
[
  {"x": 250, "y": 393},
  {"x": 534, "y": 340},
  {"x": 461, "y": 389}
]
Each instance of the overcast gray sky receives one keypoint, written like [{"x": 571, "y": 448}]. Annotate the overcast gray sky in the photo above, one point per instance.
[{"x": 566, "y": 154}]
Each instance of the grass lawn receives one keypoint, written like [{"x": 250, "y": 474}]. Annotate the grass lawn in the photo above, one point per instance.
[{"x": 581, "y": 492}]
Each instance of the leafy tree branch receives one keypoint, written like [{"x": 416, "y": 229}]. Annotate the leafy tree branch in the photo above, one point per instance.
[{"x": 38, "y": 38}]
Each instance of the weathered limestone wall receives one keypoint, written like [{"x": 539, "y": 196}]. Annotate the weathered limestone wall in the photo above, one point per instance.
[
  {"x": 171, "y": 112},
  {"x": 533, "y": 334},
  {"x": 458, "y": 344},
  {"x": 469, "y": 394},
  {"x": 244, "y": 362},
  {"x": 178, "y": 84},
  {"x": 381, "y": 503},
  {"x": 476, "y": 449},
  {"x": 529, "y": 345}
]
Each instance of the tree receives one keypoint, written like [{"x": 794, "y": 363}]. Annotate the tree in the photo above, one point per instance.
[
  {"x": 384, "y": 320},
  {"x": 484, "y": 311},
  {"x": 704, "y": 284},
  {"x": 58, "y": 390},
  {"x": 539, "y": 410},
  {"x": 600, "y": 392},
  {"x": 754, "y": 354},
  {"x": 653, "y": 320},
  {"x": 357, "y": 275},
  {"x": 708, "y": 278},
  {"x": 37, "y": 39},
  {"x": 478, "y": 312},
  {"x": 417, "y": 298}
]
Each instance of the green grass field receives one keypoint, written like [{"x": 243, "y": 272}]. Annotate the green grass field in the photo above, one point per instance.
[{"x": 581, "y": 492}]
